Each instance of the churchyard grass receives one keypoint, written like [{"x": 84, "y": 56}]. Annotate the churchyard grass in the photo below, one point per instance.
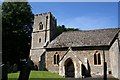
[
  {"x": 45, "y": 75},
  {"x": 35, "y": 74},
  {"x": 13, "y": 75}
]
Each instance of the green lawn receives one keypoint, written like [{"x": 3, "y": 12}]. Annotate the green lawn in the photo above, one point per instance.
[
  {"x": 35, "y": 74},
  {"x": 13, "y": 75},
  {"x": 45, "y": 75}
]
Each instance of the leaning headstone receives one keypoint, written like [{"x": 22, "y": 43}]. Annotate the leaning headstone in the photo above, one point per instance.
[
  {"x": 25, "y": 71},
  {"x": 4, "y": 72},
  {"x": 0, "y": 65},
  {"x": 15, "y": 68},
  {"x": 0, "y": 71}
]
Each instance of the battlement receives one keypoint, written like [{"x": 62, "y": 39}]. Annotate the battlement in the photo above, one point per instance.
[
  {"x": 42, "y": 14},
  {"x": 45, "y": 14}
]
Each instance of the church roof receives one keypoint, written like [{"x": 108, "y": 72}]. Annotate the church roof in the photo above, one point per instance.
[{"x": 101, "y": 37}]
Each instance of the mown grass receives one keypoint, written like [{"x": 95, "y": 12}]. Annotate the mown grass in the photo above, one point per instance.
[
  {"x": 13, "y": 75},
  {"x": 45, "y": 75},
  {"x": 35, "y": 75}
]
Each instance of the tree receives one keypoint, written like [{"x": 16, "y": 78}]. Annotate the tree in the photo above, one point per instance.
[
  {"x": 61, "y": 28},
  {"x": 72, "y": 29},
  {"x": 17, "y": 21},
  {"x": 64, "y": 29}
]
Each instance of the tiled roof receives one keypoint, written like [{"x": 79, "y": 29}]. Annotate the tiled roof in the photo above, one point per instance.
[{"x": 101, "y": 37}]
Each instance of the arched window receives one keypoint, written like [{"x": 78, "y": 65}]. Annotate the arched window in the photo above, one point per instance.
[
  {"x": 97, "y": 59},
  {"x": 40, "y": 26},
  {"x": 39, "y": 40},
  {"x": 46, "y": 17},
  {"x": 56, "y": 58}
]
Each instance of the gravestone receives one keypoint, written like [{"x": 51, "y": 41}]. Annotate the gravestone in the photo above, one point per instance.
[
  {"x": 15, "y": 68},
  {"x": 4, "y": 72},
  {"x": 0, "y": 70},
  {"x": 24, "y": 71},
  {"x": 0, "y": 65}
]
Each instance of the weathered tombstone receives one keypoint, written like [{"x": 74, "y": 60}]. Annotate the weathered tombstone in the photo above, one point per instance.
[
  {"x": 0, "y": 65},
  {"x": 4, "y": 72},
  {"x": 25, "y": 70},
  {"x": 0, "y": 71},
  {"x": 15, "y": 68}
]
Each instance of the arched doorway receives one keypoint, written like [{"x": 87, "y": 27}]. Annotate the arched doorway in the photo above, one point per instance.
[{"x": 69, "y": 68}]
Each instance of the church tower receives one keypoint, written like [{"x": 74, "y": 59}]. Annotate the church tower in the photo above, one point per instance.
[{"x": 44, "y": 30}]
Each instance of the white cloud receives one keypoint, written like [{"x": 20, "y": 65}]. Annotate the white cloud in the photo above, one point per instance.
[{"x": 86, "y": 22}]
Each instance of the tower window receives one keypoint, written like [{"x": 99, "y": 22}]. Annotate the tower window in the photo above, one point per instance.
[
  {"x": 97, "y": 59},
  {"x": 46, "y": 17},
  {"x": 39, "y": 40},
  {"x": 40, "y": 26},
  {"x": 110, "y": 72},
  {"x": 56, "y": 58}
]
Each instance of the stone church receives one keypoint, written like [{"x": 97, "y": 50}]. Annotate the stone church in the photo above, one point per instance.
[{"x": 74, "y": 53}]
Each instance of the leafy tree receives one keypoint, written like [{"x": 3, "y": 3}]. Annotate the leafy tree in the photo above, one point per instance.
[
  {"x": 61, "y": 28},
  {"x": 17, "y": 21},
  {"x": 72, "y": 29},
  {"x": 64, "y": 29}
]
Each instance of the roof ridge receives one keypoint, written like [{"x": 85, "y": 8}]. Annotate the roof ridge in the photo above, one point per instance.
[
  {"x": 85, "y": 38},
  {"x": 92, "y": 30}
]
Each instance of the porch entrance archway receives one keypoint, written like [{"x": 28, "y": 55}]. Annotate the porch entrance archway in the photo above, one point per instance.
[{"x": 69, "y": 68}]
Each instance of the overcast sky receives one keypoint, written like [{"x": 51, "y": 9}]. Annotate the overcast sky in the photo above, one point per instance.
[{"x": 82, "y": 15}]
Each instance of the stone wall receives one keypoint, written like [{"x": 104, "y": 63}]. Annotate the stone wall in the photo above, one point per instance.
[
  {"x": 41, "y": 37},
  {"x": 41, "y": 18},
  {"x": 82, "y": 55},
  {"x": 35, "y": 55},
  {"x": 42, "y": 62},
  {"x": 114, "y": 55},
  {"x": 53, "y": 29},
  {"x": 114, "y": 58},
  {"x": 50, "y": 66},
  {"x": 35, "y": 40},
  {"x": 119, "y": 56},
  {"x": 89, "y": 54}
]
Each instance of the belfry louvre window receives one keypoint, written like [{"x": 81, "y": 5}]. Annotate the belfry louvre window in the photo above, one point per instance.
[
  {"x": 39, "y": 40},
  {"x": 40, "y": 26},
  {"x": 56, "y": 58},
  {"x": 97, "y": 59}
]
